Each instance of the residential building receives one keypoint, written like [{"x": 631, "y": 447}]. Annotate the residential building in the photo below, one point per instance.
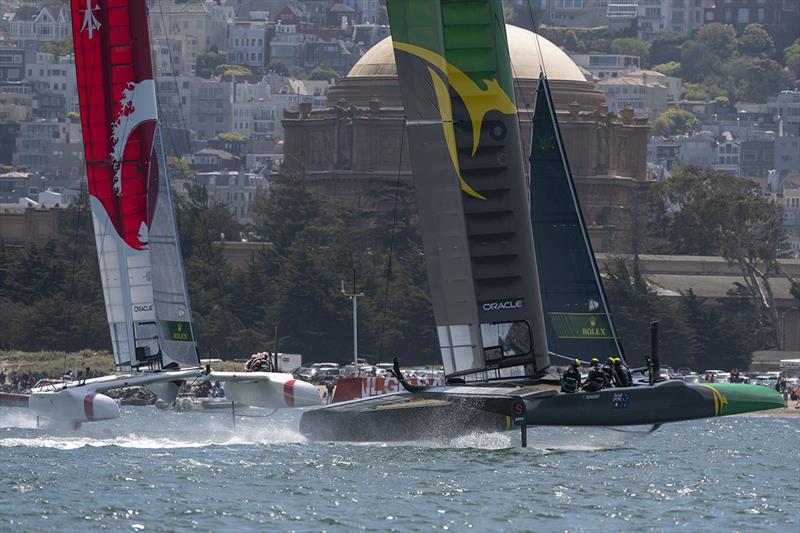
[
  {"x": 789, "y": 198},
  {"x": 678, "y": 16},
  {"x": 664, "y": 152},
  {"x": 50, "y": 147},
  {"x": 785, "y": 108},
  {"x": 54, "y": 82},
  {"x": 206, "y": 20},
  {"x": 335, "y": 54},
  {"x": 757, "y": 157},
  {"x": 9, "y": 131},
  {"x": 211, "y": 111},
  {"x": 174, "y": 96},
  {"x": 787, "y": 156},
  {"x": 368, "y": 10},
  {"x": 574, "y": 13},
  {"x": 779, "y": 17},
  {"x": 248, "y": 45},
  {"x": 603, "y": 66},
  {"x": 29, "y": 27},
  {"x": 175, "y": 55},
  {"x": 235, "y": 189},
  {"x": 728, "y": 155},
  {"x": 646, "y": 92},
  {"x": 15, "y": 107},
  {"x": 212, "y": 160},
  {"x": 699, "y": 149},
  {"x": 288, "y": 45},
  {"x": 12, "y": 64}
]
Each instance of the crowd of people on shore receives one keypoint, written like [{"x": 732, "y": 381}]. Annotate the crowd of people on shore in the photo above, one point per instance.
[{"x": 23, "y": 382}]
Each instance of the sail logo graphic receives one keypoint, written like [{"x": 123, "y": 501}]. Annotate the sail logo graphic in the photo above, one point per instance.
[
  {"x": 90, "y": 22},
  {"x": 478, "y": 100},
  {"x": 594, "y": 330},
  {"x": 498, "y": 305}
]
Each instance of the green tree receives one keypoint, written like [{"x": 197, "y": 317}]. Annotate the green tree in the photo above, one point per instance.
[
  {"x": 694, "y": 91},
  {"x": 632, "y": 47},
  {"x": 704, "y": 212},
  {"x": 178, "y": 169},
  {"x": 278, "y": 67},
  {"x": 675, "y": 121},
  {"x": 697, "y": 61},
  {"x": 58, "y": 47},
  {"x": 666, "y": 47},
  {"x": 755, "y": 41},
  {"x": 232, "y": 70},
  {"x": 634, "y": 305},
  {"x": 791, "y": 57},
  {"x": 230, "y": 136},
  {"x": 762, "y": 78},
  {"x": 207, "y": 63},
  {"x": 718, "y": 39},
  {"x": 672, "y": 68},
  {"x": 324, "y": 72},
  {"x": 298, "y": 73}
]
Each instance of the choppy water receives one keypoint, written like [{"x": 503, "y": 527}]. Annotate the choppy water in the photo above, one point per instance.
[{"x": 159, "y": 471}]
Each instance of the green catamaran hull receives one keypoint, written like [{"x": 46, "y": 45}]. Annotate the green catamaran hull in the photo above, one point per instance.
[{"x": 447, "y": 412}]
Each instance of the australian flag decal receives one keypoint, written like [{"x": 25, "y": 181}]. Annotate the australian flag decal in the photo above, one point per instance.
[{"x": 621, "y": 400}]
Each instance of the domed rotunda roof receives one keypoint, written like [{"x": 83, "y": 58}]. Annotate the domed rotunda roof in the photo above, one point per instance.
[
  {"x": 374, "y": 76},
  {"x": 379, "y": 60}
]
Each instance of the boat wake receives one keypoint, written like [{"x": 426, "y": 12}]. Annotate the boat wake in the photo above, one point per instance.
[{"x": 17, "y": 418}]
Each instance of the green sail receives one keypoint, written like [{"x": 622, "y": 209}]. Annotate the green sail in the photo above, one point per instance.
[
  {"x": 578, "y": 320},
  {"x": 468, "y": 168}
]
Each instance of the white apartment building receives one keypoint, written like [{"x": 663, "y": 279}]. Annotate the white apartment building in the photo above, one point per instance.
[{"x": 55, "y": 75}]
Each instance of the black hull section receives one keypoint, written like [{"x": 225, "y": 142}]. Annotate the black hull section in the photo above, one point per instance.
[
  {"x": 402, "y": 416},
  {"x": 445, "y": 412}
]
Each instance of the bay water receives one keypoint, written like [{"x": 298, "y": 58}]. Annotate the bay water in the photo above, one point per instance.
[{"x": 156, "y": 470}]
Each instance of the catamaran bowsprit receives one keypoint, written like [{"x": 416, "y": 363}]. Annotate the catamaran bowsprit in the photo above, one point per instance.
[
  {"x": 144, "y": 286},
  {"x": 511, "y": 269}
]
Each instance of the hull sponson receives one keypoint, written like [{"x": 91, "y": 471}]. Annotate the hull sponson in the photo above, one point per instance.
[{"x": 423, "y": 416}]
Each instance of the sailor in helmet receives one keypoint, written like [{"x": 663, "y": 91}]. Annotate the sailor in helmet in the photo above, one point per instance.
[
  {"x": 608, "y": 373},
  {"x": 571, "y": 379},
  {"x": 596, "y": 378},
  {"x": 622, "y": 373}
]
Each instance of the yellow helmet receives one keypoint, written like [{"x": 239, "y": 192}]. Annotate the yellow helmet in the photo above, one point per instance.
[{"x": 576, "y": 362}]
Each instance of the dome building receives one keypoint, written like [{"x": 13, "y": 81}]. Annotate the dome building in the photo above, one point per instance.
[{"x": 347, "y": 148}]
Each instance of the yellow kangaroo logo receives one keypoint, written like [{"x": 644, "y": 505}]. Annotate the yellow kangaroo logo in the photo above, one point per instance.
[{"x": 478, "y": 102}]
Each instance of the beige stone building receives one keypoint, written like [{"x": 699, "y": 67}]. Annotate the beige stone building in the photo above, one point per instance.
[{"x": 344, "y": 149}]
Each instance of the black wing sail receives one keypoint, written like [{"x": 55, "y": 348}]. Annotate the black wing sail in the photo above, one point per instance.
[{"x": 577, "y": 317}]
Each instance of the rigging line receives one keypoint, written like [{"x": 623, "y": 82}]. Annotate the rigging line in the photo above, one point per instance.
[
  {"x": 391, "y": 241},
  {"x": 74, "y": 269},
  {"x": 542, "y": 68}
]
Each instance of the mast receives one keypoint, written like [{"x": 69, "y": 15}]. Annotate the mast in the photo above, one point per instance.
[{"x": 455, "y": 78}]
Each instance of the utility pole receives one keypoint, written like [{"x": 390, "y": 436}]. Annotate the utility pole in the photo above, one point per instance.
[{"x": 354, "y": 296}]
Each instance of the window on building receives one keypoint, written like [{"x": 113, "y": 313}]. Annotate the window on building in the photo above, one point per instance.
[{"x": 744, "y": 15}]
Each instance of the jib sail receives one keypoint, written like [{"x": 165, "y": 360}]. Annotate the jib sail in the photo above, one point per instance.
[
  {"x": 119, "y": 121},
  {"x": 456, "y": 82},
  {"x": 579, "y": 323}
]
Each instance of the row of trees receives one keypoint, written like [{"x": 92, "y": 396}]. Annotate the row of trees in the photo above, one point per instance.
[
  {"x": 714, "y": 61},
  {"x": 50, "y": 297}
]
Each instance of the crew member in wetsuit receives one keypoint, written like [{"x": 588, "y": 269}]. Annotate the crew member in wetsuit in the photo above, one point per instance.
[
  {"x": 596, "y": 378},
  {"x": 571, "y": 379},
  {"x": 622, "y": 374},
  {"x": 608, "y": 373}
]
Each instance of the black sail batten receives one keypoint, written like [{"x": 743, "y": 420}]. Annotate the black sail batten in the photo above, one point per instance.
[{"x": 578, "y": 321}]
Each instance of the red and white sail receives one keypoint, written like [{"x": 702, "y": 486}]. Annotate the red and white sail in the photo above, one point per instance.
[{"x": 119, "y": 120}]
